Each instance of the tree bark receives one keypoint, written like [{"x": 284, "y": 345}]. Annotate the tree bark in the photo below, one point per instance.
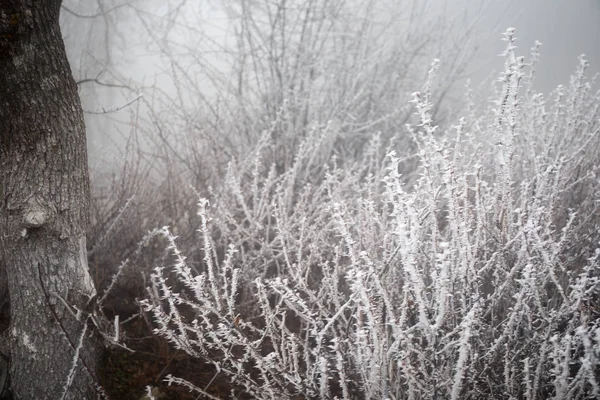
[{"x": 44, "y": 195}]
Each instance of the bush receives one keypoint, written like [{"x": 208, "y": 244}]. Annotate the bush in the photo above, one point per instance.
[{"x": 475, "y": 276}]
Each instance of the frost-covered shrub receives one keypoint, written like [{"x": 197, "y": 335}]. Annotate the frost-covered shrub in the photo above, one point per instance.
[{"x": 478, "y": 277}]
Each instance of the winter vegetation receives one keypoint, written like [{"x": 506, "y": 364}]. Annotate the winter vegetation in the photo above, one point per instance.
[
  {"x": 478, "y": 277},
  {"x": 335, "y": 230}
]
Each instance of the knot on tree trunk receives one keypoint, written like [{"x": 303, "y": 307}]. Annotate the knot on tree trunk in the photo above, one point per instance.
[{"x": 36, "y": 214}]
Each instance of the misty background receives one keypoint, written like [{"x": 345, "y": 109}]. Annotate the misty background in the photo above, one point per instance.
[{"x": 121, "y": 49}]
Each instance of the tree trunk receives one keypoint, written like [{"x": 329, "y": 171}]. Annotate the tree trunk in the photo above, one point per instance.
[{"x": 44, "y": 195}]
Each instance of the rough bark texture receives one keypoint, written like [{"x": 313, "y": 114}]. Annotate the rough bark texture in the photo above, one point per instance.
[{"x": 44, "y": 194}]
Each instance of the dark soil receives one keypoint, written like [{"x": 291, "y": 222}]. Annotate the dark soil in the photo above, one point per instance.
[{"x": 125, "y": 375}]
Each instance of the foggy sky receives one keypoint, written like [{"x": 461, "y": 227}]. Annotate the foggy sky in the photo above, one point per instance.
[{"x": 567, "y": 28}]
